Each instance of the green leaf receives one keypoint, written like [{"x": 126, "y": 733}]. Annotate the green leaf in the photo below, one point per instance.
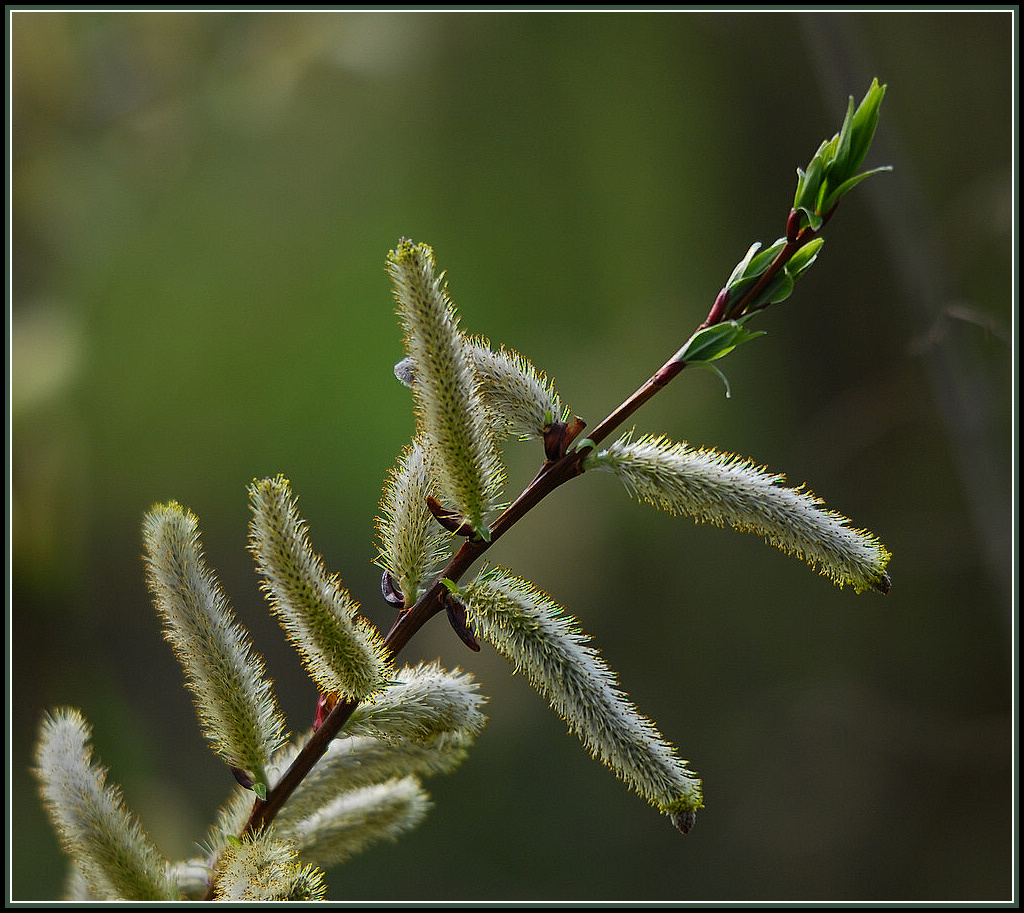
[
  {"x": 843, "y": 189},
  {"x": 750, "y": 269},
  {"x": 740, "y": 270},
  {"x": 779, "y": 289},
  {"x": 804, "y": 257},
  {"x": 865, "y": 121},
  {"x": 808, "y": 187},
  {"x": 841, "y": 159},
  {"x": 715, "y": 342},
  {"x": 763, "y": 260},
  {"x": 711, "y": 366}
]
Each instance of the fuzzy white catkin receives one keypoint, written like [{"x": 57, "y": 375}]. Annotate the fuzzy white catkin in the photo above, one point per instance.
[
  {"x": 350, "y": 764},
  {"x": 411, "y": 544},
  {"x": 235, "y": 702},
  {"x": 341, "y": 650},
  {"x": 422, "y": 724},
  {"x": 425, "y": 702},
  {"x": 723, "y": 489},
  {"x": 451, "y": 414},
  {"x": 347, "y": 824},
  {"x": 532, "y": 632},
  {"x": 520, "y": 399},
  {"x": 109, "y": 849}
]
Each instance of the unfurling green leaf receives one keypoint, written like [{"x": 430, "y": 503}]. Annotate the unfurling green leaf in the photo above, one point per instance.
[
  {"x": 343, "y": 652},
  {"x": 723, "y": 489},
  {"x": 832, "y": 173},
  {"x": 235, "y": 703},
  {"x": 107, "y": 846},
  {"x": 453, "y": 419},
  {"x": 534, "y": 634},
  {"x": 752, "y": 266},
  {"x": 714, "y": 342},
  {"x": 747, "y": 274},
  {"x": 804, "y": 258}
]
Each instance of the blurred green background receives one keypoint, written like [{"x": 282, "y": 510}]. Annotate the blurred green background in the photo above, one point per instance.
[{"x": 202, "y": 204}]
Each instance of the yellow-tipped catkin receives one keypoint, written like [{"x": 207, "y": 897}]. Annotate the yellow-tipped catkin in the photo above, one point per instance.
[
  {"x": 534, "y": 634},
  {"x": 424, "y": 702},
  {"x": 726, "y": 490},
  {"x": 343, "y": 652},
  {"x": 519, "y": 399},
  {"x": 452, "y": 416},
  {"x": 264, "y": 867}
]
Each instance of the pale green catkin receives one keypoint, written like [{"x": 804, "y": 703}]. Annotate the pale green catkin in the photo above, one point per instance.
[
  {"x": 726, "y": 490},
  {"x": 234, "y": 701},
  {"x": 342, "y": 651},
  {"x": 411, "y": 544},
  {"x": 452, "y": 416},
  {"x": 534, "y": 634}
]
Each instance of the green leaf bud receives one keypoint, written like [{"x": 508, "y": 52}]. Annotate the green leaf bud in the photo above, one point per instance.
[{"x": 831, "y": 173}]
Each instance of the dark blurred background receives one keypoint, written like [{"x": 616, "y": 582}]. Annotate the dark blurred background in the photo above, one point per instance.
[{"x": 202, "y": 204}]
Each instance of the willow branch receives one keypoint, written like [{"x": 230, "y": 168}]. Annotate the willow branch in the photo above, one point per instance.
[{"x": 552, "y": 475}]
